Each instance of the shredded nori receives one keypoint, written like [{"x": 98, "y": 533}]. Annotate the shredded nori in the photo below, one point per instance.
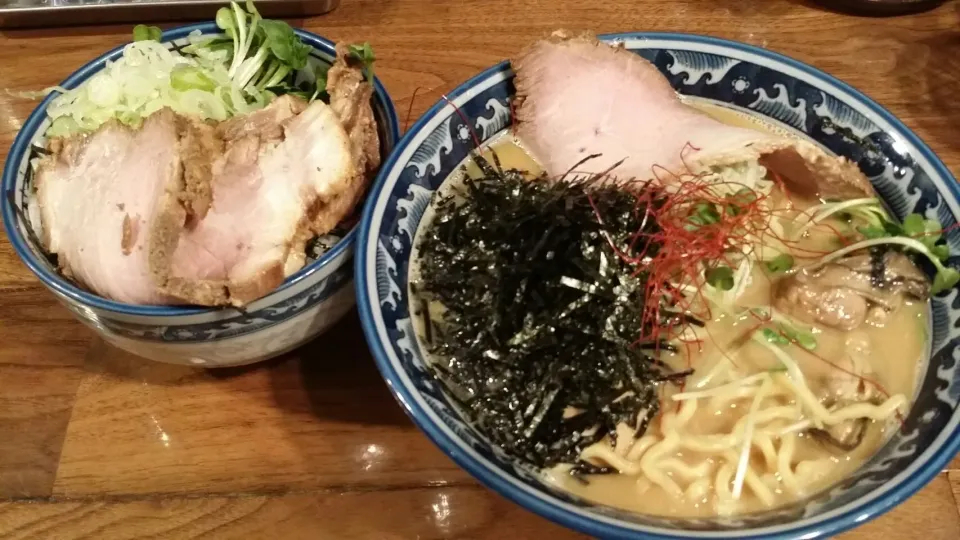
[{"x": 540, "y": 333}]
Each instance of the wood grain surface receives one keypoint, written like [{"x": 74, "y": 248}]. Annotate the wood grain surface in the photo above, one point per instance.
[{"x": 97, "y": 444}]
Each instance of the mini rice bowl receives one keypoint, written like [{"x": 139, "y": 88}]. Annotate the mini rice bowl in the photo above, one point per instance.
[{"x": 304, "y": 306}]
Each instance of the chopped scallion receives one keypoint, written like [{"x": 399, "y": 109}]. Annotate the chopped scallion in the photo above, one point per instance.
[
  {"x": 142, "y": 32},
  {"x": 780, "y": 263},
  {"x": 720, "y": 277}
]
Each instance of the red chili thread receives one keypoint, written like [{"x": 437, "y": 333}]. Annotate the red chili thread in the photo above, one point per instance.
[
  {"x": 682, "y": 249},
  {"x": 413, "y": 98},
  {"x": 476, "y": 140}
]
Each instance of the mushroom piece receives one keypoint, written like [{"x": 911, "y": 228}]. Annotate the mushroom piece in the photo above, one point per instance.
[
  {"x": 867, "y": 287},
  {"x": 846, "y": 385},
  {"x": 846, "y": 436}
]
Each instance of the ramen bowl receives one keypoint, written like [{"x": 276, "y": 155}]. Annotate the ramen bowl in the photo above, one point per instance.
[
  {"x": 307, "y": 303},
  {"x": 787, "y": 94}
]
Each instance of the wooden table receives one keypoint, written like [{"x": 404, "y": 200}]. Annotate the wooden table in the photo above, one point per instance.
[{"x": 95, "y": 443}]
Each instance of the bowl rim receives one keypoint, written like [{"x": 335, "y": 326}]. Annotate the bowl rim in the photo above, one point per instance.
[
  {"x": 74, "y": 293},
  {"x": 545, "y": 505}
]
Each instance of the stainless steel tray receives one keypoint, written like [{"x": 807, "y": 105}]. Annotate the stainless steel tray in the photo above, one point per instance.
[{"x": 40, "y": 13}]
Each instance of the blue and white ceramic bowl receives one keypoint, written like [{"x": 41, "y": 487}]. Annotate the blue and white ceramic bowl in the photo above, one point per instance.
[
  {"x": 305, "y": 305},
  {"x": 904, "y": 170}
]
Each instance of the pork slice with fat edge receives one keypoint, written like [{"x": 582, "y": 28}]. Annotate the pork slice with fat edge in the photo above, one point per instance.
[
  {"x": 99, "y": 196},
  {"x": 577, "y": 96},
  {"x": 260, "y": 214}
]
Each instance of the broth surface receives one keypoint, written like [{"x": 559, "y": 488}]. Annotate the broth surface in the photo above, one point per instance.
[{"x": 895, "y": 350}]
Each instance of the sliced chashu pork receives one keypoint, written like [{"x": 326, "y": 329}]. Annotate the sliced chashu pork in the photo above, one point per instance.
[
  {"x": 350, "y": 96},
  {"x": 577, "y": 96},
  {"x": 182, "y": 211},
  {"x": 99, "y": 197},
  {"x": 263, "y": 192},
  {"x": 287, "y": 173}
]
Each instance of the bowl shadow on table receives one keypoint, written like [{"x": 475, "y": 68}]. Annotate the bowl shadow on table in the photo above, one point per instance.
[
  {"x": 781, "y": 7},
  {"x": 889, "y": 8},
  {"x": 770, "y": 7},
  {"x": 333, "y": 378}
]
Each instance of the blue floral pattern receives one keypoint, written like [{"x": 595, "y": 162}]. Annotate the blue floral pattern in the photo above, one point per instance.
[
  {"x": 240, "y": 324},
  {"x": 906, "y": 174}
]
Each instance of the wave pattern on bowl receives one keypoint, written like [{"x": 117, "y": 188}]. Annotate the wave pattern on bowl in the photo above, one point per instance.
[{"x": 906, "y": 174}]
